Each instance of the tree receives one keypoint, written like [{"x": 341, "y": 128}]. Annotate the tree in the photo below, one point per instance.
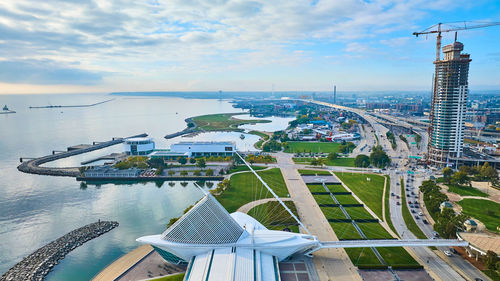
[
  {"x": 379, "y": 158},
  {"x": 447, "y": 174},
  {"x": 460, "y": 177},
  {"x": 197, "y": 173},
  {"x": 184, "y": 173},
  {"x": 362, "y": 161},
  {"x": 491, "y": 259},
  {"x": 200, "y": 162},
  {"x": 171, "y": 172},
  {"x": 333, "y": 155},
  {"x": 190, "y": 125},
  {"x": 182, "y": 160},
  {"x": 489, "y": 172},
  {"x": 192, "y": 160},
  {"x": 209, "y": 172}
]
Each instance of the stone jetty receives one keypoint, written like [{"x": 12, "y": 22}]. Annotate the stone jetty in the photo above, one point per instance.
[
  {"x": 33, "y": 166},
  {"x": 185, "y": 131},
  {"x": 38, "y": 264}
]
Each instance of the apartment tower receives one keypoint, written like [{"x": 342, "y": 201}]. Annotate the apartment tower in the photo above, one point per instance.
[{"x": 449, "y": 102}]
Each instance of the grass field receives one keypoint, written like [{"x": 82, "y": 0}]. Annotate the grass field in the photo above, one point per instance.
[
  {"x": 370, "y": 192},
  {"x": 387, "y": 208},
  {"x": 173, "y": 277},
  {"x": 313, "y": 172},
  {"x": 346, "y": 199},
  {"x": 263, "y": 137},
  {"x": 466, "y": 190},
  {"x": 245, "y": 187},
  {"x": 358, "y": 213},
  {"x": 345, "y": 230},
  {"x": 407, "y": 217},
  {"x": 333, "y": 212},
  {"x": 245, "y": 168},
  {"x": 273, "y": 216},
  {"x": 397, "y": 256},
  {"x": 304, "y": 146},
  {"x": 362, "y": 257},
  {"x": 343, "y": 161},
  {"x": 222, "y": 122},
  {"x": 488, "y": 212},
  {"x": 374, "y": 230}
]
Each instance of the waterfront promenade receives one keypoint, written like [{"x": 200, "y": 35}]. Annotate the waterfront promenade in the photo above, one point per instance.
[{"x": 37, "y": 265}]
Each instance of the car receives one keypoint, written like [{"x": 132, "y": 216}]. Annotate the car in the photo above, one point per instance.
[
  {"x": 420, "y": 214},
  {"x": 425, "y": 222},
  {"x": 392, "y": 194},
  {"x": 413, "y": 211},
  {"x": 397, "y": 196},
  {"x": 397, "y": 203},
  {"x": 478, "y": 279},
  {"x": 453, "y": 251},
  {"x": 447, "y": 253},
  {"x": 417, "y": 217}
]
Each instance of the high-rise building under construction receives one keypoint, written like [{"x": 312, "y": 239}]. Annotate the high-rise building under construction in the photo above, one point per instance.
[{"x": 449, "y": 102}]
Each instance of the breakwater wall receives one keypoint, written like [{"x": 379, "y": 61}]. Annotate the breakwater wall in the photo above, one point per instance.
[
  {"x": 185, "y": 131},
  {"x": 33, "y": 166},
  {"x": 157, "y": 178},
  {"x": 37, "y": 265}
]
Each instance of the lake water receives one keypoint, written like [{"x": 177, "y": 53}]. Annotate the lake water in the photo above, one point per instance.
[{"x": 35, "y": 210}]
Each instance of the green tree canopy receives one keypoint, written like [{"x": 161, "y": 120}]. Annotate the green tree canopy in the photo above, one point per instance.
[{"x": 362, "y": 161}]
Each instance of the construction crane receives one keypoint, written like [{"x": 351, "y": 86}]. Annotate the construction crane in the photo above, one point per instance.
[{"x": 452, "y": 26}]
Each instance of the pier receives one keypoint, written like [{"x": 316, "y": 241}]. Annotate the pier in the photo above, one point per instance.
[
  {"x": 69, "y": 106},
  {"x": 33, "y": 166},
  {"x": 38, "y": 264},
  {"x": 185, "y": 131}
]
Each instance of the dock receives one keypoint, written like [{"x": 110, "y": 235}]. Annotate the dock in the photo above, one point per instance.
[
  {"x": 69, "y": 106},
  {"x": 33, "y": 166}
]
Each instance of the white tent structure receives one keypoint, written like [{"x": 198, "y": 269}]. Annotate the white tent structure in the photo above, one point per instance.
[{"x": 222, "y": 246}]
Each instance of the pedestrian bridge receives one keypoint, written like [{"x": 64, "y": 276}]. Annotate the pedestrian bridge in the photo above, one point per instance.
[{"x": 393, "y": 243}]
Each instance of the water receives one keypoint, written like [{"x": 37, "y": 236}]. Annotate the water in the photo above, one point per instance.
[{"x": 35, "y": 210}]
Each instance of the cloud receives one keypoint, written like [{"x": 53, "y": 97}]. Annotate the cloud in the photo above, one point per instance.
[
  {"x": 45, "y": 72},
  {"x": 126, "y": 37}
]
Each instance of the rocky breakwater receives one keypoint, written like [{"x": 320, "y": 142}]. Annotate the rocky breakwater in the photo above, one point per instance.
[{"x": 38, "y": 264}]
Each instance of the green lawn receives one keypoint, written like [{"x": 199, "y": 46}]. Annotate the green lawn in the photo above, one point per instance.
[
  {"x": 358, "y": 213},
  {"x": 316, "y": 188},
  {"x": 345, "y": 230},
  {"x": 263, "y": 137},
  {"x": 331, "y": 187},
  {"x": 342, "y": 161},
  {"x": 370, "y": 192},
  {"x": 397, "y": 256},
  {"x": 313, "y": 172},
  {"x": 245, "y": 187},
  {"x": 374, "y": 230},
  {"x": 488, "y": 212},
  {"x": 333, "y": 213},
  {"x": 407, "y": 216},
  {"x": 387, "y": 208},
  {"x": 173, "y": 277},
  {"x": 362, "y": 257},
  {"x": 323, "y": 199},
  {"x": 346, "y": 199},
  {"x": 466, "y": 190},
  {"x": 222, "y": 122},
  {"x": 304, "y": 146},
  {"x": 273, "y": 216}
]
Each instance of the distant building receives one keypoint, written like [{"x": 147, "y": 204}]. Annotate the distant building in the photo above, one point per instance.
[
  {"x": 196, "y": 149},
  {"x": 445, "y": 205},
  {"x": 139, "y": 146},
  {"x": 110, "y": 172},
  {"x": 449, "y": 101}
]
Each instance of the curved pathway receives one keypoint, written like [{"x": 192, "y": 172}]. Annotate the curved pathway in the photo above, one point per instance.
[{"x": 248, "y": 206}]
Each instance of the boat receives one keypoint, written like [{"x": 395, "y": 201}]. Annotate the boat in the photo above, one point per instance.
[
  {"x": 242, "y": 136},
  {"x": 5, "y": 108}
]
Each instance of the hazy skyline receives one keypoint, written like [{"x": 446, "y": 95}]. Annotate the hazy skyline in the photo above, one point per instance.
[{"x": 109, "y": 46}]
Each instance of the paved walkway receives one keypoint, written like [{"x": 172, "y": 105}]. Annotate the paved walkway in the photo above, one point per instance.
[
  {"x": 248, "y": 206},
  {"x": 124, "y": 263},
  {"x": 331, "y": 264}
]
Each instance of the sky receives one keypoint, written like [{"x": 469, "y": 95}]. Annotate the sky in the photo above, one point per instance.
[{"x": 79, "y": 46}]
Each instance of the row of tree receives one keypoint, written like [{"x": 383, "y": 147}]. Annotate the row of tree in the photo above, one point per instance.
[
  {"x": 446, "y": 222},
  {"x": 466, "y": 174}
]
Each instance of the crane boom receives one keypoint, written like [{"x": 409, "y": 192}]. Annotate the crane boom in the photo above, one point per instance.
[{"x": 437, "y": 28}]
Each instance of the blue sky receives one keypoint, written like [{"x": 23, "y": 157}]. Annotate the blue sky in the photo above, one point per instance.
[{"x": 235, "y": 45}]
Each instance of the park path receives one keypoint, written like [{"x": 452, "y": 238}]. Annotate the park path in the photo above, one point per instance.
[
  {"x": 331, "y": 264},
  {"x": 248, "y": 206}
]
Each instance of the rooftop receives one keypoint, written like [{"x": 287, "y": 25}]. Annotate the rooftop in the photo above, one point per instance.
[{"x": 205, "y": 143}]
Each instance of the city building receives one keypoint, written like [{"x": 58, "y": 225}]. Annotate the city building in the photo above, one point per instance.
[
  {"x": 470, "y": 225},
  {"x": 445, "y": 205},
  {"x": 139, "y": 146},
  {"x": 449, "y": 101},
  {"x": 196, "y": 149}
]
